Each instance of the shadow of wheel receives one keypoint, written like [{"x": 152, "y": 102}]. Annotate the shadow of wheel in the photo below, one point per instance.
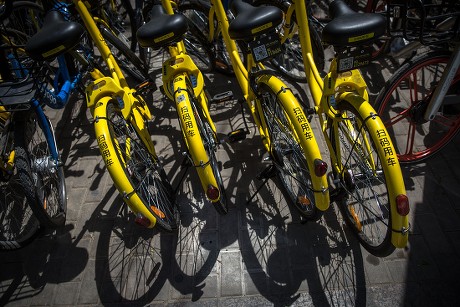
[
  {"x": 134, "y": 262},
  {"x": 291, "y": 261}
]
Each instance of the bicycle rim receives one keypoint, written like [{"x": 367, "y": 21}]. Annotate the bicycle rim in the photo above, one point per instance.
[
  {"x": 41, "y": 174},
  {"x": 364, "y": 199},
  {"x": 403, "y": 104},
  {"x": 145, "y": 172},
  {"x": 126, "y": 59},
  {"x": 288, "y": 156},
  {"x": 18, "y": 225},
  {"x": 196, "y": 38},
  {"x": 26, "y": 16}
]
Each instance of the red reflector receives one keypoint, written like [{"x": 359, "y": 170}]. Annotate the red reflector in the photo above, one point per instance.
[
  {"x": 402, "y": 204},
  {"x": 320, "y": 167},
  {"x": 142, "y": 220},
  {"x": 212, "y": 193}
]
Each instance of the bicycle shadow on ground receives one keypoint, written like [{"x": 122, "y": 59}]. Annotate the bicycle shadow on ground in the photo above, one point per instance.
[
  {"x": 286, "y": 260},
  {"x": 432, "y": 268},
  {"x": 53, "y": 258},
  {"x": 191, "y": 252}
]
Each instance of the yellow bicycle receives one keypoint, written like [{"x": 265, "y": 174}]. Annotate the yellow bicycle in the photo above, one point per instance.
[
  {"x": 183, "y": 83},
  {"x": 367, "y": 179},
  {"x": 120, "y": 117},
  {"x": 283, "y": 125}
]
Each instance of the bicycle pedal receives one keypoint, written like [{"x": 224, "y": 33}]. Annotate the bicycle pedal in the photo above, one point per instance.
[
  {"x": 222, "y": 97},
  {"x": 223, "y": 67},
  {"x": 146, "y": 85},
  {"x": 236, "y": 136}
]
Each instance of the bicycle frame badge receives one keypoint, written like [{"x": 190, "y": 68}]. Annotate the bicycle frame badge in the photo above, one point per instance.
[
  {"x": 353, "y": 57},
  {"x": 265, "y": 46},
  {"x": 106, "y": 86},
  {"x": 179, "y": 64}
]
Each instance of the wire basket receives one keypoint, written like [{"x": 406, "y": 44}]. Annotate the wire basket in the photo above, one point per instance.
[
  {"x": 428, "y": 21},
  {"x": 21, "y": 77}
]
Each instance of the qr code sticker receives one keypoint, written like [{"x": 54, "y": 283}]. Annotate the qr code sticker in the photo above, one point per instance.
[
  {"x": 346, "y": 64},
  {"x": 260, "y": 53}
]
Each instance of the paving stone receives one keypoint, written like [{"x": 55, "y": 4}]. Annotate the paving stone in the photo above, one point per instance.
[{"x": 231, "y": 278}]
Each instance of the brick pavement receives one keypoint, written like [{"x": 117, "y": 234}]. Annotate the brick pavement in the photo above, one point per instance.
[{"x": 259, "y": 254}]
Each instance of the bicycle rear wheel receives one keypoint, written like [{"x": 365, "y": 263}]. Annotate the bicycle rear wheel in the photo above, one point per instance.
[
  {"x": 144, "y": 172},
  {"x": 404, "y": 99},
  {"x": 363, "y": 193},
  {"x": 42, "y": 175},
  {"x": 288, "y": 155},
  {"x": 127, "y": 59}
]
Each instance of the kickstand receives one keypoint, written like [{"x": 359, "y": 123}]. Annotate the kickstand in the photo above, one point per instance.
[
  {"x": 266, "y": 174},
  {"x": 184, "y": 166}
]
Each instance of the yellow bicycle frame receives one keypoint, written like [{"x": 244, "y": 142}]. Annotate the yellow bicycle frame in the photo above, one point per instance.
[
  {"x": 349, "y": 86},
  {"x": 286, "y": 96},
  {"x": 102, "y": 91},
  {"x": 177, "y": 84}
]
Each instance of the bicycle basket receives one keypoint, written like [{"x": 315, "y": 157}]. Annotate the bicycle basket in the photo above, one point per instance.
[
  {"x": 21, "y": 76},
  {"x": 428, "y": 21}
]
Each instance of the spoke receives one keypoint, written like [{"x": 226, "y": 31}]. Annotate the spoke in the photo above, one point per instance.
[{"x": 410, "y": 138}]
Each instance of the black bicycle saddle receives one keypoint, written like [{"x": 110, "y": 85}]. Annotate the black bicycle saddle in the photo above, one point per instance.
[
  {"x": 251, "y": 21},
  {"x": 162, "y": 29},
  {"x": 349, "y": 28},
  {"x": 55, "y": 37}
]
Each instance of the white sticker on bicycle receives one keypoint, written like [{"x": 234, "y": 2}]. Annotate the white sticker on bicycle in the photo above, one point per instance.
[
  {"x": 260, "y": 53},
  {"x": 180, "y": 98},
  {"x": 346, "y": 64}
]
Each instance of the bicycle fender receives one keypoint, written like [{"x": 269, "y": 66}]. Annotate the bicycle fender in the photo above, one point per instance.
[
  {"x": 304, "y": 134},
  {"x": 178, "y": 65},
  {"x": 114, "y": 167},
  {"x": 380, "y": 135},
  {"x": 191, "y": 134},
  {"x": 107, "y": 87}
]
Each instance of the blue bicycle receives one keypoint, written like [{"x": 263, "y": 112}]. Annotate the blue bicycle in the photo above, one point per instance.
[{"x": 32, "y": 182}]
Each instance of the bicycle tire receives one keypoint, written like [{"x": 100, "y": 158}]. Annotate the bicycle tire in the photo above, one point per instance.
[
  {"x": 18, "y": 224},
  {"x": 210, "y": 142},
  {"x": 197, "y": 13},
  {"x": 127, "y": 59},
  {"x": 144, "y": 172},
  {"x": 122, "y": 21},
  {"x": 290, "y": 62},
  {"x": 198, "y": 48},
  {"x": 25, "y": 16},
  {"x": 42, "y": 177},
  {"x": 364, "y": 202},
  {"x": 287, "y": 154},
  {"x": 401, "y": 105}
]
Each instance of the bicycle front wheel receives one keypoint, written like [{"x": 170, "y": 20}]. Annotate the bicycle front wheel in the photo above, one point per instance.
[
  {"x": 362, "y": 194},
  {"x": 404, "y": 99},
  {"x": 41, "y": 172},
  {"x": 144, "y": 172},
  {"x": 288, "y": 155},
  {"x": 18, "y": 225}
]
